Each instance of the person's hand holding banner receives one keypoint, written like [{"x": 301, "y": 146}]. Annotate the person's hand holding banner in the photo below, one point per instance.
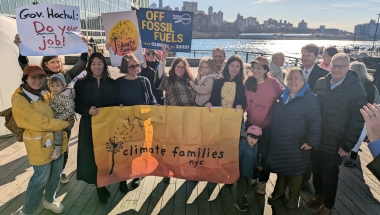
[{"x": 48, "y": 30}]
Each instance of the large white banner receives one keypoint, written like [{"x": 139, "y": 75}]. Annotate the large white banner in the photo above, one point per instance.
[
  {"x": 49, "y": 29},
  {"x": 122, "y": 32}
]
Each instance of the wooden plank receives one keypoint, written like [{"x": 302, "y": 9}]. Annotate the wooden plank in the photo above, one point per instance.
[
  {"x": 179, "y": 196},
  {"x": 145, "y": 194},
  {"x": 82, "y": 200},
  {"x": 253, "y": 203},
  {"x": 359, "y": 180},
  {"x": 340, "y": 207},
  {"x": 15, "y": 183},
  {"x": 375, "y": 207},
  {"x": 358, "y": 188},
  {"x": 203, "y": 196},
  {"x": 131, "y": 199},
  {"x": 215, "y": 198},
  {"x": 6, "y": 142},
  {"x": 355, "y": 194},
  {"x": 347, "y": 202},
  {"x": 191, "y": 195},
  {"x": 227, "y": 200},
  {"x": 156, "y": 196},
  {"x": 166, "y": 202},
  {"x": 106, "y": 208},
  {"x": 92, "y": 203}
]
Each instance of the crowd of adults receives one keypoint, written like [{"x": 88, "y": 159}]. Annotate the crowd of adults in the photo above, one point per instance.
[{"x": 309, "y": 120}]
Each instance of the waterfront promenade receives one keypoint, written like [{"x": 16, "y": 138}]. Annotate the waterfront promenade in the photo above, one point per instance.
[{"x": 358, "y": 191}]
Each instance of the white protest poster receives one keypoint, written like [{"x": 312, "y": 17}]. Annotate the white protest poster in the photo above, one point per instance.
[
  {"x": 122, "y": 32},
  {"x": 49, "y": 29}
]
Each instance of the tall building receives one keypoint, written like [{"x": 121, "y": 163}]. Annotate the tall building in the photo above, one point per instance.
[
  {"x": 160, "y": 4},
  {"x": 90, "y": 11},
  {"x": 367, "y": 30},
  {"x": 153, "y": 6},
  {"x": 190, "y": 6},
  {"x": 176, "y": 9},
  {"x": 302, "y": 27},
  {"x": 210, "y": 10},
  {"x": 167, "y": 8},
  {"x": 250, "y": 21}
]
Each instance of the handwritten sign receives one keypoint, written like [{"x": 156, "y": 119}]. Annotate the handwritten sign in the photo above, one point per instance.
[
  {"x": 182, "y": 142},
  {"x": 49, "y": 29},
  {"x": 173, "y": 28},
  {"x": 123, "y": 35}
]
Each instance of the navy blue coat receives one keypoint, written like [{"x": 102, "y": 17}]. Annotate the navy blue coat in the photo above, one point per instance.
[
  {"x": 294, "y": 123},
  {"x": 248, "y": 158}
]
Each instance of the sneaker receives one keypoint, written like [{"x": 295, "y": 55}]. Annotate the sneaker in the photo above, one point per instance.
[
  {"x": 350, "y": 163},
  {"x": 323, "y": 210},
  {"x": 261, "y": 187},
  {"x": 245, "y": 202},
  {"x": 123, "y": 187},
  {"x": 135, "y": 183},
  {"x": 274, "y": 196},
  {"x": 64, "y": 179},
  {"x": 291, "y": 204},
  {"x": 56, "y": 153},
  {"x": 55, "y": 206},
  {"x": 315, "y": 201},
  {"x": 242, "y": 208},
  {"x": 254, "y": 182}
]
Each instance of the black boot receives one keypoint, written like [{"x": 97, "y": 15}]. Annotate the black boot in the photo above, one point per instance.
[
  {"x": 123, "y": 187},
  {"x": 103, "y": 194}
]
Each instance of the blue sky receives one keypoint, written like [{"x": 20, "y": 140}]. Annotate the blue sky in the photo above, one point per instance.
[{"x": 342, "y": 14}]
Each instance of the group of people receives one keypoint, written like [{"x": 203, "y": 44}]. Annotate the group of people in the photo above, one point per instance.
[{"x": 305, "y": 123}]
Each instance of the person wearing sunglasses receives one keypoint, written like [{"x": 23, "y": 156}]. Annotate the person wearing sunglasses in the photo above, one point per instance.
[{"x": 149, "y": 70}]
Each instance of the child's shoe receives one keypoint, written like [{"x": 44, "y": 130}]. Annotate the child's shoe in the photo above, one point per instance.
[
  {"x": 56, "y": 153},
  {"x": 261, "y": 187},
  {"x": 242, "y": 208}
]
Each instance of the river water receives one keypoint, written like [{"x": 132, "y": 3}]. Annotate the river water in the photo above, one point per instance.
[{"x": 291, "y": 48}]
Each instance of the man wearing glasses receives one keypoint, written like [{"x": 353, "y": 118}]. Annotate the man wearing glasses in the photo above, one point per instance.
[
  {"x": 149, "y": 70},
  {"x": 341, "y": 96}
]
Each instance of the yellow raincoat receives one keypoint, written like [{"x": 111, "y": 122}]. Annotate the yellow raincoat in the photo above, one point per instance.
[{"x": 37, "y": 118}]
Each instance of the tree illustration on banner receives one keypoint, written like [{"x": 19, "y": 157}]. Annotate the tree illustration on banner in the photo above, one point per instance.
[
  {"x": 114, "y": 145},
  {"x": 124, "y": 38}
]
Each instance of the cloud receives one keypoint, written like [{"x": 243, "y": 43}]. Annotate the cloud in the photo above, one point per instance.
[
  {"x": 349, "y": 5},
  {"x": 265, "y": 1}
]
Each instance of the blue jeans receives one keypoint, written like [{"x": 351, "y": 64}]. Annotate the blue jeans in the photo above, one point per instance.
[{"x": 45, "y": 177}]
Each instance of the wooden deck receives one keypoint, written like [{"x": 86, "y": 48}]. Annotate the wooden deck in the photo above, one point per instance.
[{"x": 358, "y": 191}]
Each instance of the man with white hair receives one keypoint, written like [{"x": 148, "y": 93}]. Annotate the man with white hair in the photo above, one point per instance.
[
  {"x": 278, "y": 60},
  {"x": 341, "y": 96}
]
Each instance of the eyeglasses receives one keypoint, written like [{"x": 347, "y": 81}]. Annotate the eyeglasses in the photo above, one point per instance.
[
  {"x": 334, "y": 66},
  {"x": 151, "y": 53},
  {"x": 253, "y": 136},
  {"x": 134, "y": 66}
]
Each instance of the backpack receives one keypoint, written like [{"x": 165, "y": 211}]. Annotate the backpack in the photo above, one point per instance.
[{"x": 11, "y": 125}]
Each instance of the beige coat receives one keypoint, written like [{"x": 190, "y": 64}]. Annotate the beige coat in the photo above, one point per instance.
[{"x": 203, "y": 87}]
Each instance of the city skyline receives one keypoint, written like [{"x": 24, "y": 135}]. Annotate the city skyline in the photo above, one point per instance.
[{"x": 343, "y": 15}]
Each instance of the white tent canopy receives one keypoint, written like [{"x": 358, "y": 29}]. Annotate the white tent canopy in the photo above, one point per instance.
[{"x": 10, "y": 71}]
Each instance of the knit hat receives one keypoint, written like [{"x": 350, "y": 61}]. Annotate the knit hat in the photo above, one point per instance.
[
  {"x": 33, "y": 70},
  {"x": 261, "y": 60},
  {"x": 60, "y": 77},
  {"x": 255, "y": 130}
]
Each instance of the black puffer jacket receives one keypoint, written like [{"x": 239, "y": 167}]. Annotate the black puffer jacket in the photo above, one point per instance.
[
  {"x": 293, "y": 124},
  {"x": 342, "y": 122}
]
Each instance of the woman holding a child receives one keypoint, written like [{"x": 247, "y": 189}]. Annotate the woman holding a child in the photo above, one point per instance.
[
  {"x": 32, "y": 112},
  {"x": 296, "y": 128}
]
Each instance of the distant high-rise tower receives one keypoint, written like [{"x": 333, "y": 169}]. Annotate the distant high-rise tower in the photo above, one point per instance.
[
  {"x": 210, "y": 10},
  {"x": 160, "y": 4},
  {"x": 176, "y": 8}
]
